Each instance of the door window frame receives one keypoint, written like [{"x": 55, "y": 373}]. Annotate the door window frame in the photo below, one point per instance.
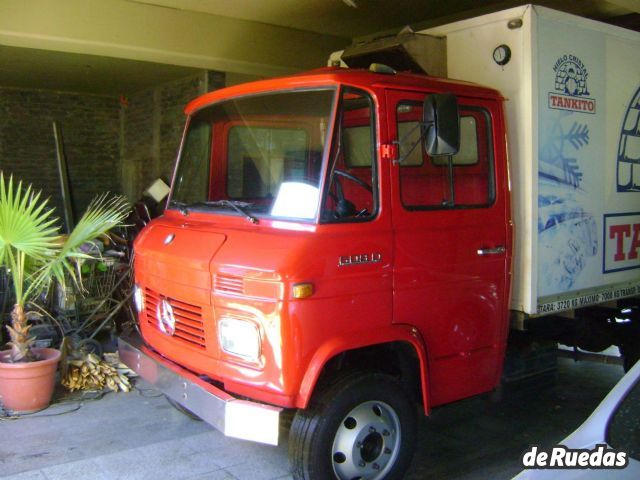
[{"x": 464, "y": 105}]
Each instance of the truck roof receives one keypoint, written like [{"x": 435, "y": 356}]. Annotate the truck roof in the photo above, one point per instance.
[{"x": 362, "y": 78}]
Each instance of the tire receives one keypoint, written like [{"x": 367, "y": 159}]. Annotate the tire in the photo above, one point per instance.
[
  {"x": 182, "y": 410},
  {"x": 361, "y": 427}
]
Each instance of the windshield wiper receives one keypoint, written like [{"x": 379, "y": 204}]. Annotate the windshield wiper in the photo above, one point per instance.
[{"x": 236, "y": 205}]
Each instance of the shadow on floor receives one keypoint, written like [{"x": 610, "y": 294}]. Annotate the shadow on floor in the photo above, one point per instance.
[{"x": 140, "y": 436}]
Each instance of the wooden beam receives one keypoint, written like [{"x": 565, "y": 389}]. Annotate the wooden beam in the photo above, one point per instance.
[
  {"x": 633, "y": 5},
  {"x": 136, "y": 31}
]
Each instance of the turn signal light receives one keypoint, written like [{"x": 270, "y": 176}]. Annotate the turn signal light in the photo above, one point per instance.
[
  {"x": 302, "y": 290},
  {"x": 138, "y": 298}
]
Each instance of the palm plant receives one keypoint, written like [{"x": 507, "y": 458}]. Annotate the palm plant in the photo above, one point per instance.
[{"x": 35, "y": 253}]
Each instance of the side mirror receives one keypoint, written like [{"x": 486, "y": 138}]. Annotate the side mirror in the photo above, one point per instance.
[{"x": 442, "y": 123}]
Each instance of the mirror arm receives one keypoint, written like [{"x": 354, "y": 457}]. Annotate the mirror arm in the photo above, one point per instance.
[{"x": 452, "y": 189}]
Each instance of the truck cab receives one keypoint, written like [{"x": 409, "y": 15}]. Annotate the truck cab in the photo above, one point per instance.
[
  {"x": 341, "y": 243},
  {"x": 336, "y": 242}
]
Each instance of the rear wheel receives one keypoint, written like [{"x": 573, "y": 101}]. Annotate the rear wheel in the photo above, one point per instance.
[{"x": 362, "y": 427}]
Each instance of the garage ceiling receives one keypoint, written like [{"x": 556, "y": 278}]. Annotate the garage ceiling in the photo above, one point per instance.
[
  {"x": 32, "y": 68},
  {"x": 356, "y": 18},
  {"x": 121, "y": 46}
]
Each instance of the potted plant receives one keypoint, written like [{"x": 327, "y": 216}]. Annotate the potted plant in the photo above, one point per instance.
[{"x": 34, "y": 253}]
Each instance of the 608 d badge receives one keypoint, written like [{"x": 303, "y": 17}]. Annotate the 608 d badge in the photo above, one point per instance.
[{"x": 345, "y": 260}]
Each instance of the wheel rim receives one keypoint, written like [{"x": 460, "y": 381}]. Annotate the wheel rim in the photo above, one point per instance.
[{"x": 367, "y": 442}]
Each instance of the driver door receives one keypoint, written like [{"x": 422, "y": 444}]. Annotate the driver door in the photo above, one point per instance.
[{"x": 452, "y": 244}]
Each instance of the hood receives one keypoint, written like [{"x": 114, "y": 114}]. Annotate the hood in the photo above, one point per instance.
[{"x": 181, "y": 253}]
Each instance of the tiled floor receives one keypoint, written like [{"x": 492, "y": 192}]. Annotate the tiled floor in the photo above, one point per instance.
[{"x": 140, "y": 436}]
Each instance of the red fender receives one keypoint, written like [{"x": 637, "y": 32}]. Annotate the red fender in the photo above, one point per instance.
[{"x": 337, "y": 345}]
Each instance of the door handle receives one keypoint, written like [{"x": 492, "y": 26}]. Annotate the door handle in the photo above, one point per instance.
[{"x": 491, "y": 251}]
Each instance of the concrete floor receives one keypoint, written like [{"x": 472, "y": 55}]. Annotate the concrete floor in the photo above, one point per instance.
[{"x": 140, "y": 436}]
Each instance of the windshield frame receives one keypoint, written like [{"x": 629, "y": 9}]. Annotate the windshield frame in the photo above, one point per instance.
[
  {"x": 337, "y": 146},
  {"x": 201, "y": 207}
]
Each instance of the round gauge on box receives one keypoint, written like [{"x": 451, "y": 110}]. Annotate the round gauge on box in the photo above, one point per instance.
[{"x": 502, "y": 54}]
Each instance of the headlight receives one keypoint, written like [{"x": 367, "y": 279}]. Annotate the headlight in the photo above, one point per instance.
[
  {"x": 240, "y": 338},
  {"x": 138, "y": 298}
]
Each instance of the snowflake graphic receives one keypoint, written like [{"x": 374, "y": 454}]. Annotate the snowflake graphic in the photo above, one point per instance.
[
  {"x": 567, "y": 230},
  {"x": 556, "y": 155}
]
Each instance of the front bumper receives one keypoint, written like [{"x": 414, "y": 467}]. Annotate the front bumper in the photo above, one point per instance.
[{"x": 233, "y": 417}]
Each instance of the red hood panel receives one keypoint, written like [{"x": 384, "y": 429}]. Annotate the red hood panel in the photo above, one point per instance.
[{"x": 178, "y": 254}]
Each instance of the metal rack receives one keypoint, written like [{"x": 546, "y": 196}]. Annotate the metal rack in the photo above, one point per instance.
[{"x": 85, "y": 309}]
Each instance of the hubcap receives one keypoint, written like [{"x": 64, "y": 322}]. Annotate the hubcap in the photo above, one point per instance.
[{"x": 367, "y": 442}]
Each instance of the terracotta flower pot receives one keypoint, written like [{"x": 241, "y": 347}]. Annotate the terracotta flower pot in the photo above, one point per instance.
[{"x": 28, "y": 387}]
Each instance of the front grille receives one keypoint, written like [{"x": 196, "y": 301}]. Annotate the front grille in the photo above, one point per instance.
[
  {"x": 189, "y": 325},
  {"x": 228, "y": 284}
]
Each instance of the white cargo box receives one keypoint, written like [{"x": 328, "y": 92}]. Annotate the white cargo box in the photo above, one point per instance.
[{"x": 573, "y": 111}]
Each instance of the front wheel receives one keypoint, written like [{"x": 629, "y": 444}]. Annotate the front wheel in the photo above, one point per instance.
[{"x": 362, "y": 427}]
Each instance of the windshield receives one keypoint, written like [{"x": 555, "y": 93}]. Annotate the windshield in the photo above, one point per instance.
[{"x": 258, "y": 156}]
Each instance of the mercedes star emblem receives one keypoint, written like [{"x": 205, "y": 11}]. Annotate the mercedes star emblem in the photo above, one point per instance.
[{"x": 166, "y": 320}]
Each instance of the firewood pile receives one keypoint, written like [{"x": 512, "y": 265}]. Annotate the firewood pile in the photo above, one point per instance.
[{"x": 94, "y": 373}]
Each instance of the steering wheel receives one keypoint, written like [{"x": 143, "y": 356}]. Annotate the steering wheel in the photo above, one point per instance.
[
  {"x": 353, "y": 178},
  {"x": 344, "y": 207}
]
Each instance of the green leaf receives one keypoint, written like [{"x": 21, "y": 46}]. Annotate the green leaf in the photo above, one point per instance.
[{"x": 31, "y": 245}]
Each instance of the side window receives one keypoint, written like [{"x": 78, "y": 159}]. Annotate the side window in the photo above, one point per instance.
[
  {"x": 192, "y": 181},
  {"x": 357, "y": 146},
  {"x": 352, "y": 183},
  {"x": 464, "y": 180}
]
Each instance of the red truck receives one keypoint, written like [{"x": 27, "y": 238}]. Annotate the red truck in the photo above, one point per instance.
[{"x": 339, "y": 243}]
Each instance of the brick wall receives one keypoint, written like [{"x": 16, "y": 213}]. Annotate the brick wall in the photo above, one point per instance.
[
  {"x": 153, "y": 123},
  {"x": 137, "y": 141},
  {"x": 110, "y": 145},
  {"x": 90, "y": 127}
]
